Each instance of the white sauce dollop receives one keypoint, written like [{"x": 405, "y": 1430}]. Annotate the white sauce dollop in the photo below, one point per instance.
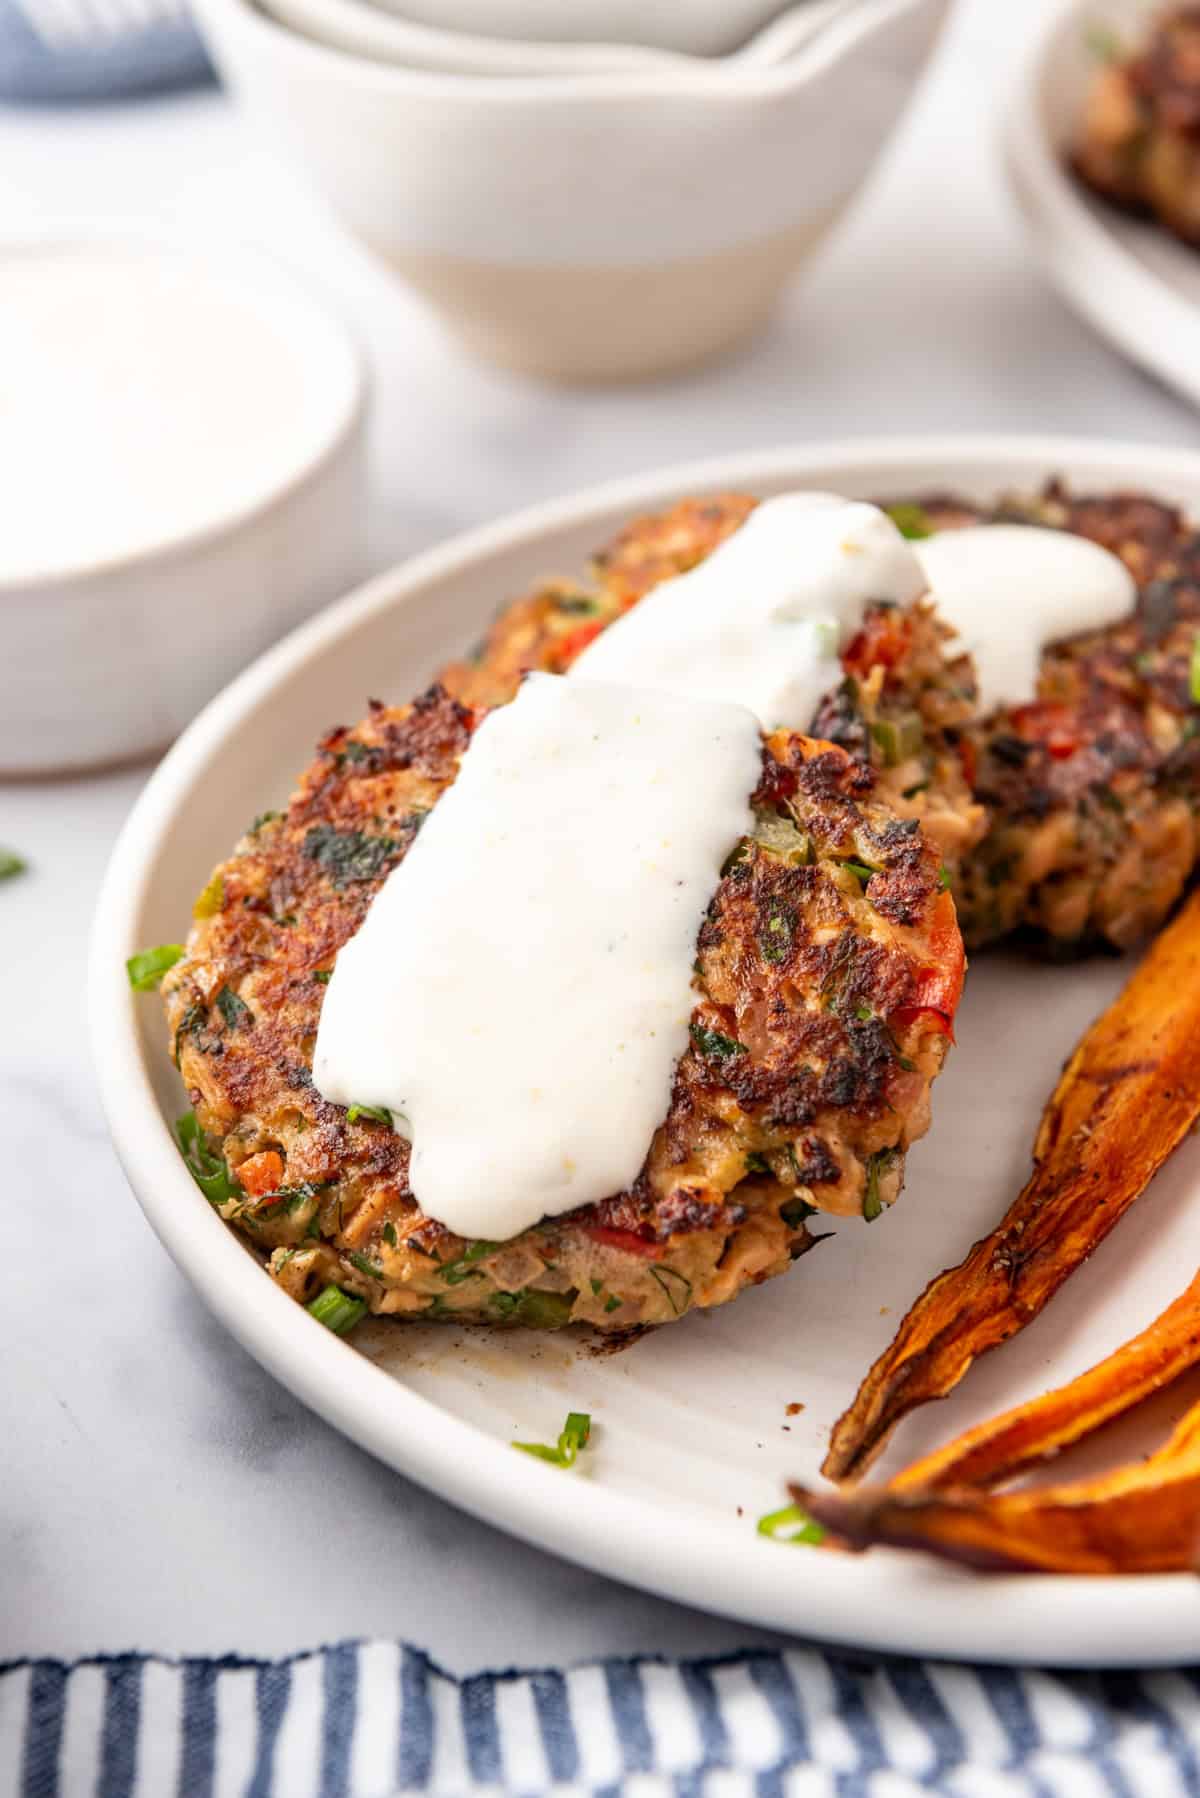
[
  {"x": 762, "y": 620},
  {"x": 1010, "y": 589},
  {"x": 520, "y": 989}
]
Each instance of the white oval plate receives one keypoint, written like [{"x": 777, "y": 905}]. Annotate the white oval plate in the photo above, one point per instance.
[
  {"x": 1131, "y": 279},
  {"x": 692, "y": 1439}
]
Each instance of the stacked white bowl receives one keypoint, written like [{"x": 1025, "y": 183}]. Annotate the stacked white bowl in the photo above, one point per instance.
[{"x": 612, "y": 203}]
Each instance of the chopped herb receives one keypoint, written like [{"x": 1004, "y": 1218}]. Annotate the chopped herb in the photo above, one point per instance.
[
  {"x": 796, "y": 1211},
  {"x": 872, "y": 1205},
  {"x": 379, "y": 1113},
  {"x": 1194, "y": 677},
  {"x": 614, "y": 1304},
  {"x": 263, "y": 818},
  {"x": 389, "y": 1235},
  {"x": 791, "y": 1524},
  {"x": 711, "y": 1042},
  {"x": 861, "y": 871},
  {"x": 11, "y": 864},
  {"x": 757, "y": 1164},
  {"x": 661, "y": 1275},
  {"x": 211, "y": 900},
  {"x": 573, "y": 1436},
  {"x": 1102, "y": 42},
  {"x": 372, "y": 1269},
  {"x": 597, "y": 1288},
  {"x": 349, "y": 855},
  {"x": 898, "y": 738},
  {"x": 922, "y": 786},
  {"x": 782, "y": 838},
  {"x": 863, "y": 1013},
  {"x": 911, "y": 521},
  {"x": 454, "y": 1272},
  {"x": 775, "y": 937},
  {"x": 235, "y": 1011},
  {"x": 337, "y": 1310},
  {"x": 354, "y": 751},
  {"x": 578, "y": 604},
  {"x": 323, "y": 976},
  {"x": 209, "y": 1171},
  {"x": 146, "y": 970},
  {"x": 290, "y": 1197},
  {"x": 537, "y": 1310},
  {"x": 944, "y": 878}
]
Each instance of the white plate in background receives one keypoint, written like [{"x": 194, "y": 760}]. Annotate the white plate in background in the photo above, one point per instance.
[
  {"x": 1130, "y": 278},
  {"x": 692, "y": 1439}
]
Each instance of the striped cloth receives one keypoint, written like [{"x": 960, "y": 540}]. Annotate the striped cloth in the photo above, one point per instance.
[
  {"x": 365, "y": 1720},
  {"x": 70, "y": 50}
]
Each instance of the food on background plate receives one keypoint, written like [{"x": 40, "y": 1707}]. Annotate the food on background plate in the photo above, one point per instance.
[
  {"x": 1139, "y": 139},
  {"x": 1127, "y": 1097}
]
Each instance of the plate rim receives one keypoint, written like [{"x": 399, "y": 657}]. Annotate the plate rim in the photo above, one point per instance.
[
  {"x": 887, "y": 1601},
  {"x": 1119, "y": 297}
]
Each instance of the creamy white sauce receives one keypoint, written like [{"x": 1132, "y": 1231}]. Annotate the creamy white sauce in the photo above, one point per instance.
[
  {"x": 147, "y": 394},
  {"x": 762, "y": 620},
  {"x": 520, "y": 990},
  {"x": 1010, "y": 589}
]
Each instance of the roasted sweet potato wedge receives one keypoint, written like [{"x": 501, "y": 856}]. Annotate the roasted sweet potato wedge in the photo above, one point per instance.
[
  {"x": 1128, "y": 1094},
  {"x": 996, "y": 1450},
  {"x": 1140, "y": 1519}
]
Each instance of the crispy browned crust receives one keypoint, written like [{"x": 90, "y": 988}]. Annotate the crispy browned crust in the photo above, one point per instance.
[
  {"x": 808, "y": 1075},
  {"x": 1139, "y": 145},
  {"x": 1126, "y": 1098}
]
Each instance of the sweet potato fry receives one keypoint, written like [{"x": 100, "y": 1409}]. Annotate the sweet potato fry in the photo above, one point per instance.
[
  {"x": 994, "y": 1451},
  {"x": 1128, "y": 1094},
  {"x": 1140, "y": 1519}
]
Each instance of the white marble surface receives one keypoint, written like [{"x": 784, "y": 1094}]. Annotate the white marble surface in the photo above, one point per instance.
[{"x": 160, "y": 1491}]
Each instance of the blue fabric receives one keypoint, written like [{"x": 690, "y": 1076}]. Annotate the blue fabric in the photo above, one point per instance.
[
  {"x": 86, "y": 60},
  {"x": 373, "y": 1719}
]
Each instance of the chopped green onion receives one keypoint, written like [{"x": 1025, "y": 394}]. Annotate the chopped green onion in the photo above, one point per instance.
[
  {"x": 861, "y": 871},
  {"x": 454, "y": 1272},
  {"x": 776, "y": 1525},
  {"x": 536, "y": 1310},
  {"x": 597, "y": 1288},
  {"x": 910, "y": 520},
  {"x": 336, "y": 1310},
  {"x": 147, "y": 969},
  {"x": 211, "y": 899},
  {"x": 574, "y": 1435},
  {"x": 796, "y": 1211},
  {"x": 1195, "y": 669},
  {"x": 614, "y": 1304},
  {"x": 782, "y": 838},
  {"x": 389, "y": 1235},
  {"x": 872, "y": 1205},
  {"x": 944, "y": 878},
  {"x": 757, "y": 1164},
  {"x": 372, "y": 1269},
  {"x": 711, "y": 1042},
  {"x": 323, "y": 976},
  {"x": 11, "y": 863},
  {"x": 899, "y": 738},
  {"x": 209, "y": 1171},
  {"x": 920, "y": 786},
  {"x": 263, "y": 818},
  {"x": 379, "y": 1113},
  {"x": 578, "y": 604},
  {"x": 775, "y": 938}
]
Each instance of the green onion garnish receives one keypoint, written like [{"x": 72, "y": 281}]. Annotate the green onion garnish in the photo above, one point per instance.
[
  {"x": 872, "y": 1205},
  {"x": 147, "y": 969},
  {"x": 573, "y": 1436},
  {"x": 536, "y": 1310},
  {"x": 911, "y": 521},
  {"x": 454, "y": 1272},
  {"x": 861, "y": 871},
  {"x": 1195, "y": 670},
  {"x": 209, "y": 1171},
  {"x": 372, "y": 1269},
  {"x": 11, "y": 863},
  {"x": 711, "y": 1042},
  {"x": 323, "y": 976},
  {"x": 777, "y": 1525},
  {"x": 380, "y": 1113},
  {"x": 336, "y": 1310},
  {"x": 898, "y": 738}
]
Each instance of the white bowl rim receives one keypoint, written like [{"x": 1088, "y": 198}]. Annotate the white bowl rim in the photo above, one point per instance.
[
  {"x": 886, "y": 1601},
  {"x": 570, "y": 90},
  {"x": 346, "y": 419},
  {"x": 1118, "y": 297}
]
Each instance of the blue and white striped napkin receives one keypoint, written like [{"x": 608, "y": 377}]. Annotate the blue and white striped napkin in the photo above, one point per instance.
[
  {"x": 59, "y": 50},
  {"x": 371, "y": 1719}
]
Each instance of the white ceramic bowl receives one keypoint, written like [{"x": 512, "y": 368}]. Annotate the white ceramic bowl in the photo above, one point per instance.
[
  {"x": 589, "y": 227},
  {"x": 107, "y": 657},
  {"x": 687, "y": 1448},
  {"x": 1128, "y": 277},
  {"x": 377, "y": 30},
  {"x": 696, "y": 27}
]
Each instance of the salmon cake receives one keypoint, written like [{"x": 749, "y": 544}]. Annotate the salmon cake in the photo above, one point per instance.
[{"x": 828, "y": 968}]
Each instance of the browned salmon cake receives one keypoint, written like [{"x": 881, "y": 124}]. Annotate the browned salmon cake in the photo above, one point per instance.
[
  {"x": 1092, "y": 790},
  {"x": 828, "y": 969},
  {"x": 1139, "y": 140}
]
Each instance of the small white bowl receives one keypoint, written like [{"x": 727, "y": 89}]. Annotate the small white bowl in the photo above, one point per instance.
[
  {"x": 693, "y": 27},
  {"x": 374, "y": 28},
  {"x": 591, "y": 227},
  {"x": 1129, "y": 277},
  {"x": 111, "y": 645}
]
